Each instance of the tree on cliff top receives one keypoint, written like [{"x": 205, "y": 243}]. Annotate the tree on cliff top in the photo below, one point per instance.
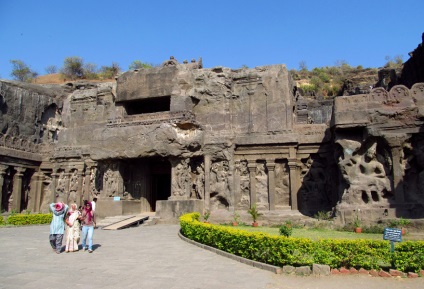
[
  {"x": 137, "y": 64},
  {"x": 73, "y": 67},
  {"x": 21, "y": 71}
]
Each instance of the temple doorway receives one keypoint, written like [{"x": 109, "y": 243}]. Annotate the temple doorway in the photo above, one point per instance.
[{"x": 147, "y": 180}]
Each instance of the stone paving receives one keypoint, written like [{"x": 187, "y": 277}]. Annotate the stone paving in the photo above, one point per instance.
[{"x": 148, "y": 257}]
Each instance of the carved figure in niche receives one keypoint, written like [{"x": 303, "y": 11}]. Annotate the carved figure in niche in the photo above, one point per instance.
[
  {"x": 8, "y": 199},
  {"x": 315, "y": 190},
  {"x": 181, "y": 179},
  {"x": 412, "y": 160},
  {"x": 198, "y": 182},
  {"x": 261, "y": 185},
  {"x": 111, "y": 181},
  {"x": 47, "y": 196},
  {"x": 53, "y": 126},
  {"x": 282, "y": 185},
  {"x": 73, "y": 187},
  {"x": 93, "y": 181},
  {"x": 61, "y": 186},
  {"x": 219, "y": 185},
  {"x": 365, "y": 173},
  {"x": 244, "y": 184}
]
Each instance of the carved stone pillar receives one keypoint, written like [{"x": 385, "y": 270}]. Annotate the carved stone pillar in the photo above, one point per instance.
[
  {"x": 236, "y": 184},
  {"x": 85, "y": 195},
  {"x": 39, "y": 177},
  {"x": 251, "y": 165},
  {"x": 17, "y": 188},
  {"x": 207, "y": 160},
  {"x": 270, "y": 165},
  {"x": 294, "y": 183},
  {"x": 67, "y": 175},
  {"x": 3, "y": 169},
  {"x": 55, "y": 176},
  {"x": 398, "y": 175}
]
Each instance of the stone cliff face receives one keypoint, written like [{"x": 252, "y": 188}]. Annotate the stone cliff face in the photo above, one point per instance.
[{"x": 180, "y": 137}]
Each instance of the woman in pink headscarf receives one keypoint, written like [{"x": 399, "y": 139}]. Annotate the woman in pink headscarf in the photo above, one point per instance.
[
  {"x": 57, "y": 226},
  {"x": 73, "y": 229},
  {"x": 88, "y": 221}
]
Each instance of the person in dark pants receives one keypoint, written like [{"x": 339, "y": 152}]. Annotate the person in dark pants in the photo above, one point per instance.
[{"x": 57, "y": 226}]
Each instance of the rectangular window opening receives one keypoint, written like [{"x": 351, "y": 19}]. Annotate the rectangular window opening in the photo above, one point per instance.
[{"x": 148, "y": 105}]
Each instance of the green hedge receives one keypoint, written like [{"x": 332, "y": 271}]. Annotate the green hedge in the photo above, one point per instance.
[
  {"x": 1, "y": 220},
  {"x": 281, "y": 251},
  {"x": 29, "y": 219}
]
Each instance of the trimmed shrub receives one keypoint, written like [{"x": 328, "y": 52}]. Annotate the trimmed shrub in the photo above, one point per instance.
[
  {"x": 286, "y": 229},
  {"x": 29, "y": 219},
  {"x": 281, "y": 251}
]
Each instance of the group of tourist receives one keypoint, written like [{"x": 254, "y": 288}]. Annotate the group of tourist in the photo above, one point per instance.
[{"x": 79, "y": 223}]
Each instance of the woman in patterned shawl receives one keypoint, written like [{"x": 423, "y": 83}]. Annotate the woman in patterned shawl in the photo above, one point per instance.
[{"x": 73, "y": 229}]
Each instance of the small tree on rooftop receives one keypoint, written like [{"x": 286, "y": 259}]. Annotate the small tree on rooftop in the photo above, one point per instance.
[
  {"x": 108, "y": 72},
  {"x": 51, "y": 69},
  {"x": 21, "y": 71},
  {"x": 138, "y": 64},
  {"x": 73, "y": 67}
]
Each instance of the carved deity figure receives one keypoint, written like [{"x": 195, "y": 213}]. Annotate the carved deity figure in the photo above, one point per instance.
[
  {"x": 61, "y": 185},
  {"x": 181, "y": 179},
  {"x": 261, "y": 185},
  {"x": 219, "y": 185},
  {"x": 244, "y": 184},
  {"x": 282, "y": 185},
  {"x": 199, "y": 182},
  {"x": 365, "y": 174},
  {"x": 111, "y": 181},
  {"x": 315, "y": 189},
  {"x": 73, "y": 187},
  {"x": 47, "y": 196}
]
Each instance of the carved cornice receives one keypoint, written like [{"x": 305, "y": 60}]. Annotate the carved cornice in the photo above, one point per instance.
[
  {"x": 18, "y": 143},
  {"x": 153, "y": 118}
]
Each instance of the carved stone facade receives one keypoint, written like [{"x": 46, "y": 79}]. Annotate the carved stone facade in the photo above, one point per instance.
[{"x": 179, "y": 135}]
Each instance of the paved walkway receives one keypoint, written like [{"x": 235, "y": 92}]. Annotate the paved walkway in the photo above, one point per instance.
[{"x": 148, "y": 257}]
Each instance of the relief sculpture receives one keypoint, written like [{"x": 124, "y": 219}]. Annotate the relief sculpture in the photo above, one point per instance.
[
  {"x": 282, "y": 185},
  {"x": 244, "y": 184},
  {"x": 366, "y": 173},
  {"x": 181, "y": 178},
  {"x": 219, "y": 185},
  {"x": 261, "y": 186}
]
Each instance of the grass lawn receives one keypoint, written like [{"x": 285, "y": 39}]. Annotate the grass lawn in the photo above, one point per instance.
[{"x": 316, "y": 234}]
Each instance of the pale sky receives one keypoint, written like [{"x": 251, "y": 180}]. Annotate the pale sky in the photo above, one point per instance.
[{"x": 224, "y": 33}]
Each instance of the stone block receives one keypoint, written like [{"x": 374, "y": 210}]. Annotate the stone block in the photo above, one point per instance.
[
  {"x": 172, "y": 209},
  {"x": 383, "y": 273},
  {"x": 318, "y": 269},
  {"x": 363, "y": 271},
  {"x": 303, "y": 271},
  {"x": 353, "y": 271},
  {"x": 289, "y": 269},
  {"x": 374, "y": 273},
  {"x": 343, "y": 270},
  {"x": 335, "y": 271},
  {"x": 396, "y": 273},
  {"x": 412, "y": 275}
]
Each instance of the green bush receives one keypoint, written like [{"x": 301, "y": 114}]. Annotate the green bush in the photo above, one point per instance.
[
  {"x": 32, "y": 219},
  {"x": 1, "y": 220},
  {"x": 286, "y": 229},
  {"x": 280, "y": 251}
]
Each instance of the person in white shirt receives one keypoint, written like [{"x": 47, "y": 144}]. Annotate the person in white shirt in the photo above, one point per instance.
[{"x": 93, "y": 204}]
